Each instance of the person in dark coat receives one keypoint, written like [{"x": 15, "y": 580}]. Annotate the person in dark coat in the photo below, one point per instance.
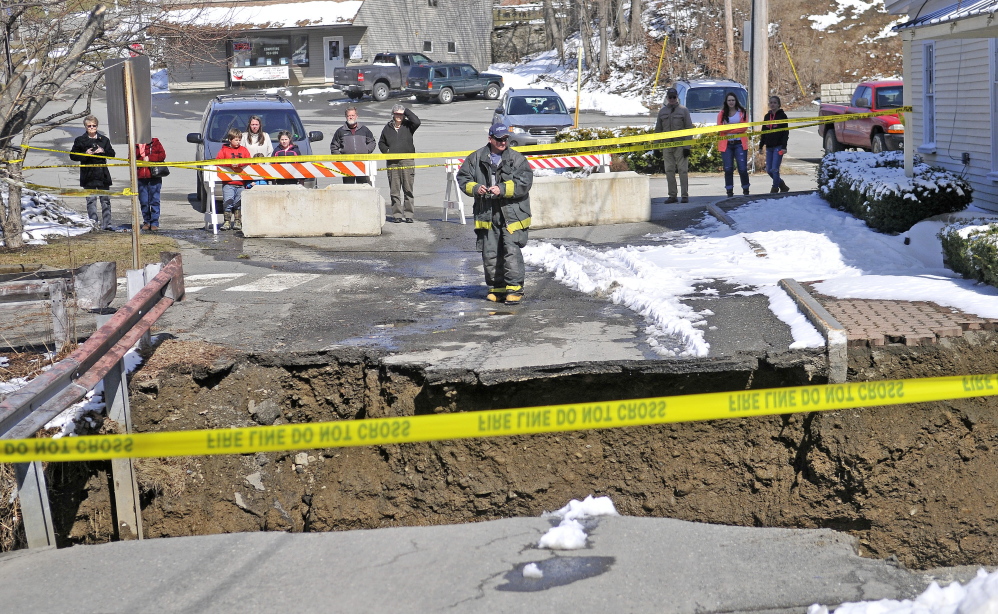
[
  {"x": 353, "y": 138},
  {"x": 91, "y": 150},
  {"x": 286, "y": 147},
  {"x": 149, "y": 186},
  {"x": 396, "y": 137},
  {"x": 500, "y": 179},
  {"x": 775, "y": 143}
]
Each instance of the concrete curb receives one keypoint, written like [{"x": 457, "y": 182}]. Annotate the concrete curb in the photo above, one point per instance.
[
  {"x": 834, "y": 333},
  {"x": 720, "y": 214}
]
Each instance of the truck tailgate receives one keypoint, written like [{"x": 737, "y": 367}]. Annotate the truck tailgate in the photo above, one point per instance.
[{"x": 345, "y": 76}]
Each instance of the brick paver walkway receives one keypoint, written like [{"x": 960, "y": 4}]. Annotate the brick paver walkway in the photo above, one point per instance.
[{"x": 880, "y": 322}]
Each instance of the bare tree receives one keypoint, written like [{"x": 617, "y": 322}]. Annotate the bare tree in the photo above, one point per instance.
[
  {"x": 551, "y": 27},
  {"x": 605, "y": 28},
  {"x": 636, "y": 31},
  {"x": 729, "y": 32},
  {"x": 58, "y": 61},
  {"x": 586, "y": 32}
]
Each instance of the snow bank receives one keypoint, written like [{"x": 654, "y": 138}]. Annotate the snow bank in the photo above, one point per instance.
[{"x": 979, "y": 596}]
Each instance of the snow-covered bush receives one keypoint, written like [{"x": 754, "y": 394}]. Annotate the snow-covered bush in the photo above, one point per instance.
[
  {"x": 873, "y": 187},
  {"x": 704, "y": 156},
  {"x": 972, "y": 250}
]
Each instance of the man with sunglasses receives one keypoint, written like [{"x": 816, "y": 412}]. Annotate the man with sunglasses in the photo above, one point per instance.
[
  {"x": 91, "y": 150},
  {"x": 674, "y": 116},
  {"x": 499, "y": 178}
]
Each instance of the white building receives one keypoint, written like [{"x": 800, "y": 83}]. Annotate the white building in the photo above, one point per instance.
[{"x": 951, "y": 81}]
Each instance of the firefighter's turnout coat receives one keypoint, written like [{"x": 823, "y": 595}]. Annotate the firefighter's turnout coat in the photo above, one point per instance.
[{"x": 501, "y": 222}]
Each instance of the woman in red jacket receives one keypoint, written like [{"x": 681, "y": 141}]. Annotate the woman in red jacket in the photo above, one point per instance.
[
  {"x": 735, "y": 148},
  {"x": 149, "y": 186}
]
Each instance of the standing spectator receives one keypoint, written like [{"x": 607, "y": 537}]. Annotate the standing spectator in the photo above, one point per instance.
[
  {"x": 674, "y": 116},
  {"x": 354, "y": 138},
  {"x": 286, "y": 147},
  {"x": 149, "y": 186},
  {"x": 734, "y": 150},
  {"x": 500, "y": 179},
  {"x": 91, "y": 150},
  {"x": 775, "y": 143},
  {"x": 396, "y": 137},
  {"x": 255, "y": 139},
  {"x": 232, "y": 190}
]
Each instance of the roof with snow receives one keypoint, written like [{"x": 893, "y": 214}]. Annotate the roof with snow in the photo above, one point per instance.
[
  {"x": 953, "y": 12},
  {"x": 270, "y": 15}
]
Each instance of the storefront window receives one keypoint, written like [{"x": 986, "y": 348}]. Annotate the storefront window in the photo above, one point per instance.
[{"x": 270, "y": 51}]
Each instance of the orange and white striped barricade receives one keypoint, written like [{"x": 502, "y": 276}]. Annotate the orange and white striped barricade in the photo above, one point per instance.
[
  {"x": 452, "y": 197},
  {"x": 271, "y": 171}
]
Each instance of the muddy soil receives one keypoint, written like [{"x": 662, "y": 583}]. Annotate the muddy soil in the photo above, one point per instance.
[{"x": 915, "y": 481}]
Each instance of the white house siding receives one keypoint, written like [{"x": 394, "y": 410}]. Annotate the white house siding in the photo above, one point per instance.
[
  {"x": 403, "y": 25},
  {"x": 314, "y": 73},
  {"x": 198, "y": 74},
  {"x": 963, "y": 112}
]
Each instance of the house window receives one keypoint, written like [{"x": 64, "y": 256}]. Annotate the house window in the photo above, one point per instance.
[
  {"x": 451, "y": 47},
  {"x": 432, "y": 3},
  {"x": 428, "y": 46},
  {"x": 269, "y": 51},
  {"x": 929, "y": 94}
]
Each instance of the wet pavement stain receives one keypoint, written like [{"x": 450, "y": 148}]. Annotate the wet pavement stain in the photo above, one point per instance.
[{"x": 558, "y": 571}]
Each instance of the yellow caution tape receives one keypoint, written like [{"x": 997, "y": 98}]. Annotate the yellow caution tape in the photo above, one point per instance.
[
  {"x": 564, "y": 145},
  {"x": 501, "y": 422}
]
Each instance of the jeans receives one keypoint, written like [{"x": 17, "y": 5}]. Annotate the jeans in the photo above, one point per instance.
[
  {"x": 735, "y": 153},
  {"x": 232, "y": 197},
  {"x": 104, "y": 221},
  {"x": 773, "y": 161},
  {"x": 149, "y": 198}
]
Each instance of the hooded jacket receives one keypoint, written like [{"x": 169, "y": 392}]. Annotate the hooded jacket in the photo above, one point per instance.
[{"x": 515, "y": 178}]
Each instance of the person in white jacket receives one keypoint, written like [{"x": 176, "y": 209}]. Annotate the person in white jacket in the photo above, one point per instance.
[{"x": 256, "y": 139}]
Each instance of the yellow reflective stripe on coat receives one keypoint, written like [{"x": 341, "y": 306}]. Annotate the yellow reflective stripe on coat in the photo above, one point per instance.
[
  {"x": 521, "y": 225},
  {"x": 469, "y": 188},
  {"x": 509, "y": 188},
  {"x": 481, "y": 224}
]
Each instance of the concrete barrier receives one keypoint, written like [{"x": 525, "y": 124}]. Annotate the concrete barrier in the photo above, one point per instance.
[
  {"x": 347, "y": 210},
  {"x": 601, "y": 198}
]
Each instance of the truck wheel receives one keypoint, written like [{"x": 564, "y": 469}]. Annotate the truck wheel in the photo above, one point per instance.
[
  {"x": 878, "y": 144},
  {"x": 380, "y": 92},
  {"x": 492, "y": 91},
  {"x": 446, "y": 95},
  {"x": 831, "y": 143}
]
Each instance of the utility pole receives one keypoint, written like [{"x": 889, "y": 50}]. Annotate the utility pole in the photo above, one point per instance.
[
  {"x": 759, "y": 63},
  {"x": 729, "y": 31}
]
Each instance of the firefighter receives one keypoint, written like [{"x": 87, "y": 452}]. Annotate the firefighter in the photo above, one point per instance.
[{"x": 499, "y": 178}]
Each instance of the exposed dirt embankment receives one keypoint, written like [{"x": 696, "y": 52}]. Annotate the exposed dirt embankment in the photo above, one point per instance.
[{"x": 916, "y": 481}]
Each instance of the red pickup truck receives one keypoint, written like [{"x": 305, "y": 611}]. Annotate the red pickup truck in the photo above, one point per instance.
[{"x": 876, "y": 134}]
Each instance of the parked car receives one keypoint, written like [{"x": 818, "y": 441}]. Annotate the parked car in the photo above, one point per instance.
[
  {"x": 444, "y": 81},
  {"x": 234, "y": 111},
  {"x": 705, "y": 97},
  {"x": 876, "y": 134},
  {"x": 386, "y": 74},
  {"x": 534, "y": 116}
]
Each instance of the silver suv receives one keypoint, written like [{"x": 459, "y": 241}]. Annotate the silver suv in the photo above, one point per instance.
[
  {"x": 534, "y": 116},
  {"x": 705, "y": 97}
]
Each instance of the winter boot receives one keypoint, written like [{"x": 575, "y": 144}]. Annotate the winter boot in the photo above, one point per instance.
[
  {"x": 783, "y": 186},
  {"x": 730, "y": 193},
  {"x": 774, "y": 189},
  {"x": 237, "y": 220},
  {"x": 227, "y": 224}
]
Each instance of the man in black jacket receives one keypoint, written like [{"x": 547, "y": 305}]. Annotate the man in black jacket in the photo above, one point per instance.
[
  {"x": 91, "y": 150},
  {"x": 353, "y": 138},
  {"x": 397, "y": 138}
]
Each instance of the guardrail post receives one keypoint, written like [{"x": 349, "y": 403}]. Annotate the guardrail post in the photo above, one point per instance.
[
  {"x": 33, "y": 495},
  {"x": 60, "y": 323},
  {"x": 127, "y": 507}
]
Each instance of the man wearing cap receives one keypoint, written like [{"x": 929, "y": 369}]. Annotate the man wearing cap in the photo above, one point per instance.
[
  {"x": 396, "y": 138},
  {"x": 500, "y": 179},
  {"x": 674, "y": 116}
]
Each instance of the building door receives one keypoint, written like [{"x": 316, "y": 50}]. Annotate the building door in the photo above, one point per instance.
[{"x": 332, "y": 54}]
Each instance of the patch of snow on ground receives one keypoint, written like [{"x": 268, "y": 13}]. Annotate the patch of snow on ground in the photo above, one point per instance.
[
  {"x": 44, "y": 215},
  {"x": 858, "y": 7},
  {"x": 160, "y": 81},
  {"x": 979, "y": 596},
  {"x": 804, "y": 239},
  {"x": 319, "y": 90},
  {"x": 570, "y": 534}
]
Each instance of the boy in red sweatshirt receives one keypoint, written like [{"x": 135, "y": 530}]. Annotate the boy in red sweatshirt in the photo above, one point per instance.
[{"x": 232, "y": 191}]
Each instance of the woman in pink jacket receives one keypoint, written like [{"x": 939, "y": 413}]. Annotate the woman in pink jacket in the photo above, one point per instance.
[{"x": 734, "y": 149}]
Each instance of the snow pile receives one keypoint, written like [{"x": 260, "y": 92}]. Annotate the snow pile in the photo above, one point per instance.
[
  {"x": 160, "y": 81},
  {"x": 881, "y": 175},
  {"x": 804, "y": 239},
  {"x": 570, "y": 534},
  {"x": 44, "y": 215},
  {"x": 531, "y": 570},
  {"x": 621, "y": 94},
  {"x": 857, "y": 8},
  {"x": 979, "y": 596}
]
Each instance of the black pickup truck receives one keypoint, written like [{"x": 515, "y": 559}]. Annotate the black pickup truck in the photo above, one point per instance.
[{"x": 388, "y": 73}]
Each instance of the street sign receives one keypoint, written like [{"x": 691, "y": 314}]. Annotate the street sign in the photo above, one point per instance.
[{"x": 114, "y": 80}]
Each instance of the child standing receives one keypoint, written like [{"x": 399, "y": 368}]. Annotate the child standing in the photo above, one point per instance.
[
  {"x": 286, "y": 147},
  {"x": 232, "y": 190},
  {"x": 257, "y": 181}
]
